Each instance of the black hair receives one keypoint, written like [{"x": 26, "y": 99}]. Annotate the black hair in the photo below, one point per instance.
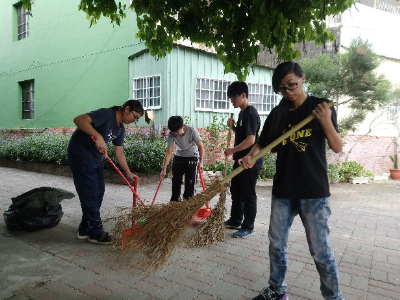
[
  {"x": 134, "y": 105},
  {"x": 175, "y": 123},
  {"x": 282, "y": 70},
  {"x": 237, "y": 88},
  {"x": 282, "y": 110}
]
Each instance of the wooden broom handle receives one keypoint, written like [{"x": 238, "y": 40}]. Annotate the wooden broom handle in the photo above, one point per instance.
[
  {"x": 228, "y": 143},
  {"x": 268, "y": 148}
]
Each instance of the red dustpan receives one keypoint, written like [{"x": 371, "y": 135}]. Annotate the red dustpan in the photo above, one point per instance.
[
  {"x": 202, "y": 213},
  {"x": 126, "y": 233}
]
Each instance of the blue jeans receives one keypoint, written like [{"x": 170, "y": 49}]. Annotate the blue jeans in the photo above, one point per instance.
[{"x": 314, "y": 214}]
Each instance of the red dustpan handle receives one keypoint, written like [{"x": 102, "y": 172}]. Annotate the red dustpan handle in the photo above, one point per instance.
[
  {"x": 158, "y": 187},
  {"x": 202, "y": 184},
  {"x": 201, "y": 180},
  {"x": 122, "y": 175}
]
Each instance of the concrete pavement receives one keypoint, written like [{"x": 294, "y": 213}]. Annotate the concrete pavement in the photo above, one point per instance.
[{"x": 54, "y": 264}]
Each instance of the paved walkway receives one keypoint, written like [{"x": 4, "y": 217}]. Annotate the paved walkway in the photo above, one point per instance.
[{"x": 54, "y": 264}]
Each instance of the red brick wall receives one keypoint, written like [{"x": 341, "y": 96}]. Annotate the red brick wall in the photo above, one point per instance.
[{"x": 370, "y": 151}]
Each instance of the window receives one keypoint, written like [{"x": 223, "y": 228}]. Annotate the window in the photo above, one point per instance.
[
  {"x": 211, "y": 95},
  {"x": 27, "y": 99},
  {"x": 393, "y": 110},
  {"x": 148, "y": 91},
  {"x": 23, "y": 22},
  {"x": 263, "y": 97}
]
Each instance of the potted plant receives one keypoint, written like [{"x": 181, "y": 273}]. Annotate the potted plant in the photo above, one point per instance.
[
  {"x": 353, "y": 172},
  {"x": 395, "y": 172}
]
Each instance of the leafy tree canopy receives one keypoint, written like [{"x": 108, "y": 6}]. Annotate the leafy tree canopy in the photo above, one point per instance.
[
  {"x": 234, "y": 29},
  {"x": 351, "y": 78}
]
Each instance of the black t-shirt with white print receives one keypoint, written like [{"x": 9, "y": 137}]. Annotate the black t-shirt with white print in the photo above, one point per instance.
[{"x": 301, "y": 169}]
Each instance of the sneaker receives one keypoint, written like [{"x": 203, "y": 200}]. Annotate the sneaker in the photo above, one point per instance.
[
  {"x": 242, "y": 233},
  {"x": 270, "y": 293},
  {"x": 228, "y": 224},
  {"x": 82, "y": 235},
  {"x": 104, "y": 239}
]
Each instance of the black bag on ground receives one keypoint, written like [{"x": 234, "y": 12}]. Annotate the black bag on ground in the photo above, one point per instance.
[{"x": 36, "y": 209}]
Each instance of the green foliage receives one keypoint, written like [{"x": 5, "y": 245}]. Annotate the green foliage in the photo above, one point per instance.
[
  {"x": 45, "y": 147},
  {"x": 214, "y": 144},
  {"x": 234, "y": 28},
  {"x": 334, "y": 172},
  {"x": 351, "y": 76},
  {"x": 394, "y": 159},
  {"x": 269, "y": 167},
  {"x": 353, "y": 169},
  {"x": 218, "y": 166},
  {"x": 144, "y": 151},
  {"x": 267, "y": 172},
  {"x": 217, "y": 126},
  {"x": 186, "y": 120}
]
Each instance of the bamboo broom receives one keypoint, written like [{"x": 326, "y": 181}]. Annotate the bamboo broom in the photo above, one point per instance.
[
  {"x": 213, "y": 230},
  {"x": 152, "y": 242}
]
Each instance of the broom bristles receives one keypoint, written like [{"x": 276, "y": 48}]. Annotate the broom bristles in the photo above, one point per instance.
[
  {"x": 158, "y": 229},
  {"x": 213, "y": 230}
]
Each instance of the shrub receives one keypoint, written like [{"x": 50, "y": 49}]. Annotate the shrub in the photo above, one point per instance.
[
  {"x": 353, "y": 169},
  {"x": 144, "y": 151},
  {"x": 219, "y": 166},
  {"x": 334, "y": 172},
  {"x": 45, "y": 147},
  {"x": 269, "y": 167}
]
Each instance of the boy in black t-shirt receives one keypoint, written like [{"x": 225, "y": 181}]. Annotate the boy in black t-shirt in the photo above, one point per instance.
[
  {"x": 300, "y": 183},
  {"x": 243, "y": 185}
]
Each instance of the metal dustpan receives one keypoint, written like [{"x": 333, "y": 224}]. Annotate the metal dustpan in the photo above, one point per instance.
[{"x": 202, "y": 213}]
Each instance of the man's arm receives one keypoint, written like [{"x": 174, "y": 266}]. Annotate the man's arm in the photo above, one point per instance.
[
  {"x": 323, "y": 113},
  {"x": 84, "y": 123},
  {"x": 167, "y": 158}
]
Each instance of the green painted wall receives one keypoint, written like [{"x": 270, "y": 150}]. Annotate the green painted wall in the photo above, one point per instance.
[
  {"x": 178, "y": 72},
  {"x": 76, "y": 68}
]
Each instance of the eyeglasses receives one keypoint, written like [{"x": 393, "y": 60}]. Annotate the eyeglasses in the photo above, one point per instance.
[
  {"x": 135, "y": 117},
  {"x": 234, "y": 98},
  {"x": 290, "y": 87}
]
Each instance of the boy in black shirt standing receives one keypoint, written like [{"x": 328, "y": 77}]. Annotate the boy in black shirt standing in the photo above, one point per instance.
[{"x": 243, "y": 185}]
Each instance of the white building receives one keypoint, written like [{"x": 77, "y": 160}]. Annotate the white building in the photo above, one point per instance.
[{"x": 378, "y": 22}]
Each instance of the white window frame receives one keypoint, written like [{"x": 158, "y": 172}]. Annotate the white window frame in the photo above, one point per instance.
[
  {"x": 210, "y": 95},
  {"x": 263, "y": 97},
  {"x": 28, "y": 99},
  {"x": 393, "y": 111},
  {"x": 148, "y": 91},
  {"x": 22, "y": 22}
]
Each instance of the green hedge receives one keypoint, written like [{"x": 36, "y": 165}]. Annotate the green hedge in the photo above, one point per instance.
[{"x": 144, "y": 152}]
